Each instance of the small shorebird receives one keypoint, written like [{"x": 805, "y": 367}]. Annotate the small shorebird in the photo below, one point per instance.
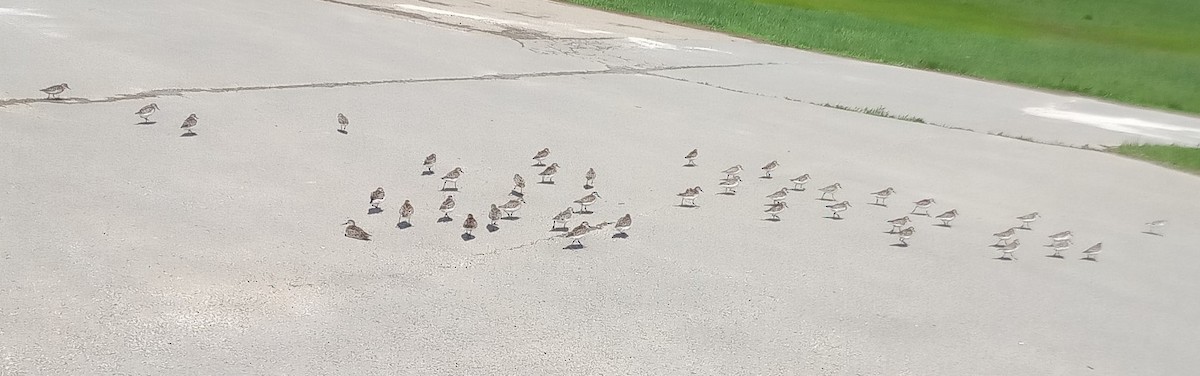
[
  {"x": 578, "y": 233},
  {"x": 906, "y": 234},
  {"x": 190, "y": 123},
  {"x": 377, "y": 197},
  {"x": 1061, "y": 246},
  {"x": 470, "y": 224},
  {"x": 1155, "y": 225},
  {"x": 770, "y": 167},
  {"x": 730, "y": 183},
  {"x": 829, "y": 190},
  {"x": 1005, "y": 235},
  {"x": 586, "y": 201},
  {"x": 452, "y": 177},
  {"x": 549, "y": 173},
  {"x": 355, "y": 232},
  {"x": 1027, "y": 219},
  {"x": 447, "y": 206},
  {"x": 589, "y": 177},
  {"x": 899, "y": 222},
  {"x": 342, "y": 122},
  {"x": 561, "y": 217},
  {"x": 512, "y": 206},
  {"x": 624, "y": 223},
  {"x": 775, "y": 209},
  {"x": 429, "y": 162},
  {"x": 923, "y": 204},
  {"x": 689, "y": 194},
  {"x": 146, "y": 111},
  {"x": 1061, "y": 236},
  {"x": 1009, "y": 248},
  {"x": 1091, "y": 252},
  {"x": 838, "y": 207},
  {"x": 779, "y": 195},
  {"x": 799, "y": 182},
  {"x": 732, "y": 171},
  {"x": 55, "y": 90},
  {"x": 947, "y": 217},
  {"x": 494, "y": 214},
  {"x": 691, "y": 157},
  {"x": 406, "y": 211},
  {"x": 882, "y": 196},
  {"x": 518, "y": 183},
  {"x": 540, "y": 156}
]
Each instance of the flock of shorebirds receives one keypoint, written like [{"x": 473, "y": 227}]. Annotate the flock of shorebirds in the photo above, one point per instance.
[{"x": 1007, "y": 242}]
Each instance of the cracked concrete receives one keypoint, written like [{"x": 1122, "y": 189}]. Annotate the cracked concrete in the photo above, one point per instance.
[{"x": 128, "y": 249}]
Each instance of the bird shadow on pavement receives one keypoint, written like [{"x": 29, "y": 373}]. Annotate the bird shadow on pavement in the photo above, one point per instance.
[
  {"x": 826, "y": 199},
  {"x": 942, "y": 225},
  {"x": 620, "y": 235},
  {"x": 509, "y": 218},
  {"x": 766, "y": 177},
  {"x": 515, "y": 193},
  {"x": 374, "y": 211},
  {"x": 1002, "y": 258},
  {"x": 772, "y": 219},
  {"x": 539, "y": 164},
  {"x": 1056, "y": 256},
  {"x": 466, "y": 237},
  {"x": 147, "y": 123},
  {"x": 403, "y": 225},
  {"x": 996, "y": 246},
  {"x": 900, "y": 245},
  {"x": 445, "y": 219},
  {"x": 449, "y": 189},
  {"x": 426, "y": 173},
  {"x": 797, "y": 189},
  {"x": 493, "y": 228},
  {"x": 559, "y": 229},
  {"x": 1088, "y": 259},
  {"x": 547, "y": 182},
  {"x": 689, "y": 165},
  {"x": 1023, "y": 228},
  {"x": 189, "y": 134},
  {"x": 878, "y": 204},
  {"x": 834, "y": 218},
  {"x": 343, "y": 131},
  {"x": 692, "y": 206},
  {"x": 588, "y": 186},
  {"x": 726, "y": 193},
  {"x": 574, "y": 246},
  {"x": 585, "y": 212},
  {"x": 1151, "y": 233}
]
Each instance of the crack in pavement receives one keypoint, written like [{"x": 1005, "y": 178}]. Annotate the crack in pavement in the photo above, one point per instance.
[{"x": 487, "y": 77}]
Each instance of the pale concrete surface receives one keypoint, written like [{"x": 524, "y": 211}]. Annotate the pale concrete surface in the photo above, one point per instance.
[{"x": 126, "y": 249}]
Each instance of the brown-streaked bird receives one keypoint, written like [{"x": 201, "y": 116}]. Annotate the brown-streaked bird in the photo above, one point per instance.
[{"x": 355, "y": 232}]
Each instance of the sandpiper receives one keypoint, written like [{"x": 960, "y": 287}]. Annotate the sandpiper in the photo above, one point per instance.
[
  {"x": 586, "y": 201},
  {"x": 1027, "y": 219},
  {"x": 1060, "y": 246},
  {"x": 518, "y": 183},
  {"x": 540, "y": 156},
  {"x": 355, "y": 232},
  {"x": 799, "y": 182},
  {"x": 447, "y": 206},
  {"x": 190, "y": 123},
  {"x": 512, "y": 206},
  {"x": 342, "y": 122},
  {"x": 732, "y": 171},
  {"x": 377, "y": 197},
  {"x": 146, "y": 111},
  {"x": 589, "y": 177},
  {"x": 561, "y": 217},
  {"x": 578, "y": 233},
  {"x": 55, "y": 90},
  {"x": 452, "y": 177},
  {"x": 470, "y": 224},
  {"x": 779, "y": 195},
  {"x": 899, "y": 222},
  {"x": 923, "y": 204},
  {"x": 838, "y": 207},
  {"x": 691, "y": 157},
  {"x": 429, "y": 162},
  {"x": 906, "y": 234},
  {"x": 1009, "y": 248},
  {"x": 1061, "y": 236},
  {"x": 829, "y": 190},
  {"x": 1092, "y": 251},
  {"x": 549, "y": 172},
  {"x": 689, "y": 194},
  {"x": 771, "y": 166},
  {"x": 1155, "y": 225},
  {"x": 624, "y": 223},
  {"x": 775, "y": 209},
  {"x": 406, "y": 211},
  {"x": 947, "y": 217},
  {"x": 882, "y": 196},
  {"x": 494, "y": 214},
  {"x": 730, "y": 183},
  {"x": 1005, "y": 235}
]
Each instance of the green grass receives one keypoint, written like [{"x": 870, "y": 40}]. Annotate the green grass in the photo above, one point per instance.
[
  {"x": 1145, "y": 52},
  {"x": 1178, "y": 157}
]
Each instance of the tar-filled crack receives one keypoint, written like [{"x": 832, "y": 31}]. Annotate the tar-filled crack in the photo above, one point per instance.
[{"x": 487, "y": 77}]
